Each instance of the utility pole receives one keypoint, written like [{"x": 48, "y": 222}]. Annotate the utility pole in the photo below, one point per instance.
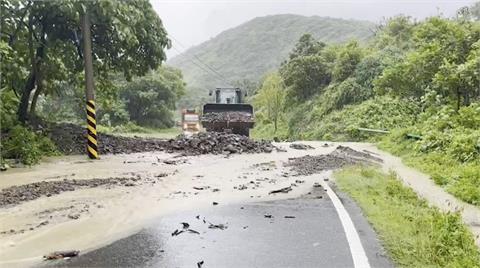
[{"x": 92, "y": 144}]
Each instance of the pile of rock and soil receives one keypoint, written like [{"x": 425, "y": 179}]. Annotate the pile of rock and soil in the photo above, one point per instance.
[
  {"x": 71, "y": 139},
  {"x": 218, "y": 143},
  {"x": 301, "y": 146},
  {"x": 17, "y": 194},
  {"x": 230, "y": 116},
  {"x": 342, "y": 156}
]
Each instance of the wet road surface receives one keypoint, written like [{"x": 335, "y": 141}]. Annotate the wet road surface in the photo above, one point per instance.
[{"x": 301, "y": 232}]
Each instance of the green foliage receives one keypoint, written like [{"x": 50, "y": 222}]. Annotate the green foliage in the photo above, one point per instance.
[
  {"x": 266, "y": 131},
  {"x": 8, "y": 105},
  {"x": 151, "y": 99},
  {"x": 444, "y": 59},
  {"x": 396, "y": 31},
  {"x": 456, "y": 133},
  {"x": 257, "y": 47},
  {"x": 459, "y": 178},
  {"x": 23, "y": 144},
  {"x": 41, "y": 44},
  {"x": 67, "y": 104},
  {"x": 346, "y": 61},
  {"x": 414, "y": 234},
  {"x": 306, "y": 46},
  {"x": 377, "y": 113},
  {"x": 270, "y": 100},
  {"x": 305, "y": 76},
  {"x": 129, "y": 127},
  {"x": 449, "y": 149},
  {"x": 373, "y": 64}
]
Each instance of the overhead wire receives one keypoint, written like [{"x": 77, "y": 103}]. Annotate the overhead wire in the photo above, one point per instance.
[
  {"x": 210, "y": 69},
  {"x": 199, "y": 66}
]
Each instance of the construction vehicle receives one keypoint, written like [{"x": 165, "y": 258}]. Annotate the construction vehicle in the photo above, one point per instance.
[
  {"x": 190, "y": 121},
  {"x": 228, "y": 112}
]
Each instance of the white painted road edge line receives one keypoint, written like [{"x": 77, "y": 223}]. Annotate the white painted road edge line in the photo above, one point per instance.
[{"x": 359, "y": 256}]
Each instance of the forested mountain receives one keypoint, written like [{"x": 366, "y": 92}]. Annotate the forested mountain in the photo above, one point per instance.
[
  {"x": 419, "y": 80},
  {"x": 247, "y": 52}
]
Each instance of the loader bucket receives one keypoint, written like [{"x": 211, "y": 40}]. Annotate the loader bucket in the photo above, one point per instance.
[{"x": 221, "y": 107}]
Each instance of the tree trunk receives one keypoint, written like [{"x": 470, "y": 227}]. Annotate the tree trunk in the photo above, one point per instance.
[
  {"x": 459, "y": 99},
  {"x": 27, "y": 90},
  {"x": 35, "y": 59},
  {"x": 275, "y": 125},
  {"x": 466, "y": 98},
  {"x": 39, "y": 89}
]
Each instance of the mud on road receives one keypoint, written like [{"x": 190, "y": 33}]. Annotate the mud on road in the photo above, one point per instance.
[{"x": 43, "y": 205}]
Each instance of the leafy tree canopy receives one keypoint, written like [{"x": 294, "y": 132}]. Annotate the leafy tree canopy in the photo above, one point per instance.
[
  {"x": 150, "y": 100},
  {"x": 44, "y": 39}
]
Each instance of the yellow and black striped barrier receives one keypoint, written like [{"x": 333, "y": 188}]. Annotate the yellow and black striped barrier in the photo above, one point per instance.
[{"x": 92, "y": 144}]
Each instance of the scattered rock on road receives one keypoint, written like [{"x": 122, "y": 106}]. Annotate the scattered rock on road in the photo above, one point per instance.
[
  {"x": 17, "y": 194},
  {"x": 340, "y": 157},
  {"x": 62, "y": 254},
  {"x": 301, "y": 146},
  {"x": 217, "y": 226},
  {"x": 282, "y": 190}
]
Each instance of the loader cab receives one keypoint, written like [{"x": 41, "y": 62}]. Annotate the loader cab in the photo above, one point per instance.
[{"x": 228, "y": 95}]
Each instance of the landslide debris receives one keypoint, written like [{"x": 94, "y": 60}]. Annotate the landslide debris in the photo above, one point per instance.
[
  {"x": 217, "y": 143},
  {"x": 340, "y": 157},
  {"x": 70, "y": 139},
  {"x": 231, "y": 116},
  {"x": 61, "y": 254},
  {"x": 301, "y": 146},
  {"x": 17, "y": 194}
]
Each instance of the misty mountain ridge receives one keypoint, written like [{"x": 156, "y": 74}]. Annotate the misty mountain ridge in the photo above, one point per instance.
[{"x": 252, "y": 49}]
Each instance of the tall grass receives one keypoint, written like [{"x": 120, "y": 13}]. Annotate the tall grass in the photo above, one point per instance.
[{"x": 414, "y": 234}]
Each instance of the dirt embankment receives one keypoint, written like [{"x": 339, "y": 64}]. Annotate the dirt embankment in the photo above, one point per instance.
[{"x": 70, "y": 139}]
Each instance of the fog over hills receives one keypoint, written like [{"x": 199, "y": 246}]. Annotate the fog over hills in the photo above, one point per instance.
[{"x": 256, "y": 47}]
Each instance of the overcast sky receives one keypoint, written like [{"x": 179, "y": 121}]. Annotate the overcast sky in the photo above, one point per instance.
[{"x": 195, "y": 21}]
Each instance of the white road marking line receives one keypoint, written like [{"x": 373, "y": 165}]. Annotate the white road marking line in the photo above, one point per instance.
[{"x": 360, "y": 259}]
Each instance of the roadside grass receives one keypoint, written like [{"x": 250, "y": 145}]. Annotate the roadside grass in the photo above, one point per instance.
[
  {"x": 413, "y": 233},
  {"x": 461, "y": 179},
  {"x": 266, "y": 131},
  {"x": 130, "y": 130}
]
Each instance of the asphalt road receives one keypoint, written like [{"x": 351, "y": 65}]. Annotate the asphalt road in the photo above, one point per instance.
[{"x": 312, "y": 237}]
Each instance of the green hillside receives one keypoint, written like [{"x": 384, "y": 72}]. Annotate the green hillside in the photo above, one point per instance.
[{"x": 250, "y": 50}]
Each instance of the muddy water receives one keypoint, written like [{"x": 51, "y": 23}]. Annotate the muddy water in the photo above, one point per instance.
[{"x": 89, "y": 218}]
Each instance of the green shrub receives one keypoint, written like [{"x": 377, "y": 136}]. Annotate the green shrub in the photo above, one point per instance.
[
  {"x": 459, "y": 178},
  {"x": 8, "y": 106},
  {"x": 447, "y": 131},
  {"x": 129, "y": 127},
  {"x": 26, "y": 146},
  {"x": 377, "y": 113}
]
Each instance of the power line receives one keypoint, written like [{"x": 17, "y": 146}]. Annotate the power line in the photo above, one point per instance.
[
  {"x": 223, "y": 78},
  {"x": 198, "y": 58},
  {"x": 200, "y": 66}
]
